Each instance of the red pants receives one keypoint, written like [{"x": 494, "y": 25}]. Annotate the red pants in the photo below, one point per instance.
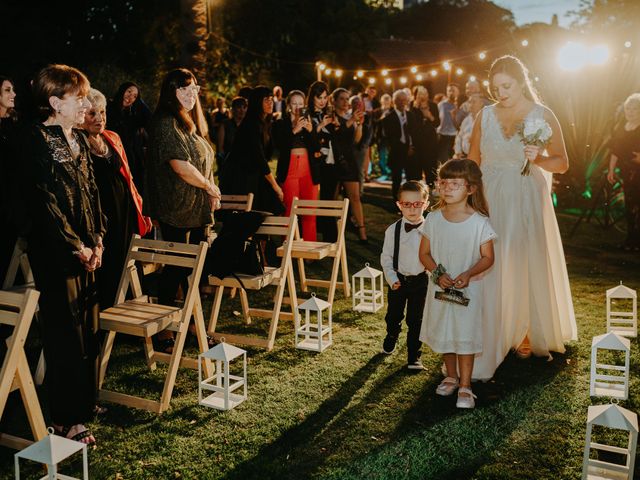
[{"x": 299, "y": 184}]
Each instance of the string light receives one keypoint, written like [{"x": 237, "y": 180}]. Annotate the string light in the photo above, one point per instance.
[
  {"x": 446, "y": 66},
  {"x": 387, "y": 81},
  {"x": 355, "y": 77},
  {"x": 322, "y": 66},
  {"x": 414, "y": 69},
  {"x": 403, "y": 80},
  {"x": 338, "y": 73},
  {"x": 434, "y": 73},
  {"x": 372, "y": 81},
  {"x": 360, "y": 73},
  {"x": 627, "y": 44},
  {"x": 419, "y": 77},
  {"x": 482, "y": 55},
  {"x": 472, "y": 78},
  {"x": 459, "y": 71},
  {"x": 485, "y": 83},
  {"x": 524, "y": 43},
  {"x": 328, "y": 71},
  {"x": 537, "y": 79},
  {"x": 385, "y": 72}
]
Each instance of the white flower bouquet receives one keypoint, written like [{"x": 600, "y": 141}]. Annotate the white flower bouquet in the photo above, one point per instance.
[{"x": 536, "y": 132}]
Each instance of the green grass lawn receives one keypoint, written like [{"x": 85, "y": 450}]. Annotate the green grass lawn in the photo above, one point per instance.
[{"x": 353, "y": 413}]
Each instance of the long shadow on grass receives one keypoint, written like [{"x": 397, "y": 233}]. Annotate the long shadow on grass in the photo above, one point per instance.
[
  {"x": 434, "y": 439},
  {"x": 294, "y": 445}
]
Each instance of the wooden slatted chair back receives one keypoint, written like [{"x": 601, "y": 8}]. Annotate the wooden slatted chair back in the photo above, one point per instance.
[{"x": 237, "y": 202}]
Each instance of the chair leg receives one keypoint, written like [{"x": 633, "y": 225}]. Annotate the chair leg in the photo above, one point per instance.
[
  {"x": 215, "y": 310},
  {"x": 172, "y": 371},
  {"x": 333, "y": 281},
  {"x": 232, "y": 293},
  {"x": 303, "y": 275},
  {"x": 149, "y": 353},
  {"x": 104, "y": 356},
  {"x": 30, "y": 399},
  {"x": 345, "y": 271},
  {"x": 244, "y": 301},
  {"x": 201, "y": 334}
]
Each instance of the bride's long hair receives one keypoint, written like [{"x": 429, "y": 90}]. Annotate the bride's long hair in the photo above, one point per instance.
[{"x": 513, "y": 66}]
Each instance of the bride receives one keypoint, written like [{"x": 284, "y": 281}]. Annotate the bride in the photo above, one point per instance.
[{"x": 529, "y": 299}]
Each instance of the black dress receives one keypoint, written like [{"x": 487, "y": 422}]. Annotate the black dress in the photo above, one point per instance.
[
  {"x": 425, "y": 141},
  {"x": 343, "y": 152},
  {"x": 117, "y": 205},
  {"x": 623, "y": 145}
]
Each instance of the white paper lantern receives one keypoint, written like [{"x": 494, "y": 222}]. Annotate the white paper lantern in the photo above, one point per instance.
[
  {"x": 612, "y": 417},
  {"x": 610, "y": 380},
  {"x": 368, "y": 291},
  {"x": 223, "y": 384},
  {"x": 622, "y": 322},
  {"x": 313, "y": 334},
  {"x": 52, "y": 450}
]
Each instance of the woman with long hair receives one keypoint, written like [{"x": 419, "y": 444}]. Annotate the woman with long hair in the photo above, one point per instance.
[
  {"x": 298, "y": 169},
  {"x": 179, "y": 189},
  {"x": 129, "y": 117},
  {"x": 533, "y": 310},
  {"x": 247, "y": 170}
]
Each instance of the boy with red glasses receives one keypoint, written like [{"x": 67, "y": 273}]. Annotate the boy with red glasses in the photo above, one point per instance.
[{"x": 404, "y": 273}]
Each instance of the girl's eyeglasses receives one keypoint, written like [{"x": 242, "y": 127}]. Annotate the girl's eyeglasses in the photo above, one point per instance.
[
  {"x": 411, "y": 204},
  {"x": 449, "y": 184},
  {"x": 190, "y": 89}
]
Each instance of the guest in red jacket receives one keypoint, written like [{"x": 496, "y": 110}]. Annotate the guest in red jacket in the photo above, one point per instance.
[{"x": 119, "y": 197}]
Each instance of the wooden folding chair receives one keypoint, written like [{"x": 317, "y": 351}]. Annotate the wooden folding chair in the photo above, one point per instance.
[
  {"x": 237, "y": 202},
  {"x": 280, "y": 277},
  {"x": 138, "y": 316},
  {"x": 17, "y": 310},
  {"x": 303, "y": 250},
  {"x": 19, "y": 260}
]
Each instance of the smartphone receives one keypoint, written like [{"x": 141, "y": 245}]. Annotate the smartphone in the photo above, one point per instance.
[
  {"x": 304, "y": 112},
  {"x": 329, "y": 110}
]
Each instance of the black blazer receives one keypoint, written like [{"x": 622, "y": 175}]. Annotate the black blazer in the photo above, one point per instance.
[
  {"x": 282, "y": 140},
  {"x": 393, "y": 131}
]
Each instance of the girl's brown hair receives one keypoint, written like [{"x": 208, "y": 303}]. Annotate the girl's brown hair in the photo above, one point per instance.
[
  {"x": 471, "y": 173},
  {"x": 512, "y": 66},
  {"x": 57, "y": 81}
]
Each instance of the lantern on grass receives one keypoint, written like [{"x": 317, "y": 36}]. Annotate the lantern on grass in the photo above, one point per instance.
[
  {"x": 610, "y": 379},
  {"x": 610, "y": 420},
  {"x": 223, "y": 384},
  {"x": 313, "y": 334},
  {"x": 368, "y": 293},
  {"x": 52, "y": 450},
  {"x": 624, "y": 319}
]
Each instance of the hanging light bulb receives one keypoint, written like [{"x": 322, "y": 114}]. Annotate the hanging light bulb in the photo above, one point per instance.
[
  {"x": 524, "y": 43},
  {"x": 387, "y": 81},
  {"x": 419, "y": 77},
  {"x": 482, "y": 55},
  {"x": 627, "y": 44},
  {"x": 434, "y": 73},
  {"x": 372, "y": 81},
  {"x": 328, "y": 71},
  {"x": 360, "y": 73},
  {"x": 414, "y": 69},
  {"x": 403, "y": 80},
  {"x": 322, "y": 66},
  {"x": 472, "y": 78},
  {"x": 459, "y": 71},
  {"x": 485, "y": 83},
  {"x": 385, "y": 72},
  {"x": 446, "y": 65}
]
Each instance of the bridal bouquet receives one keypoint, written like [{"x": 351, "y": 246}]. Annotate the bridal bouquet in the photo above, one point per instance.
[{"x": 537, "y": 133}]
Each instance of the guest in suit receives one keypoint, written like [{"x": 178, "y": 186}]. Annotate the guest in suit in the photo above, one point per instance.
[{"x": 398, "y": 126}]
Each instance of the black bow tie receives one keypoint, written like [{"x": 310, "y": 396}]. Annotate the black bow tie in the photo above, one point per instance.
[{"x": 410, "y": 226}]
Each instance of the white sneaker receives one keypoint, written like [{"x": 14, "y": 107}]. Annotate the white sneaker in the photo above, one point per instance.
[
  {"x": 447, "y": 387},
  {"x": 466, "y": 402}
]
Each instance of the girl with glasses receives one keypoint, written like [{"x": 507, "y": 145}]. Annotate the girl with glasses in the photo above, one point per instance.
[{"x": 457, "y": 248}]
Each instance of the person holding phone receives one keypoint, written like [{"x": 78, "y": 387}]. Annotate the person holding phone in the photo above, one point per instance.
[{"x": 298, "y": 170}]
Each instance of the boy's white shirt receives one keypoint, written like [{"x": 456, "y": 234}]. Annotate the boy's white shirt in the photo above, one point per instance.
[{"x": 408, "y": 256}]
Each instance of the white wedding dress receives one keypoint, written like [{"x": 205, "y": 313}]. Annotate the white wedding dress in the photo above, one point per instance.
[{"x": 527, "y": 290}]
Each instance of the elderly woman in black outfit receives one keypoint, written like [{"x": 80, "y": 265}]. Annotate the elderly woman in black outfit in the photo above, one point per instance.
[
  {"x": 129, "y": 117},
  {"x": 424, "y": 135},
  {"x": 179, "y": 188},
  {"x": 247, "y": 170},
  {"x": 65, "y": 245},
  {"x": 119, "y": 197}
]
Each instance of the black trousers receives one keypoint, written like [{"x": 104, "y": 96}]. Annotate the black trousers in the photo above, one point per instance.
[
  {"x": 631, "y": 186},
  {"x": 328, "y": 226},
  {"x": 445, "y": 147},
  {"x": 399, "y": 161},
  {"x": 172, "y": 277},
  {"x": 411, "y": 295},
  {"x": 69, "y": 325}
]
